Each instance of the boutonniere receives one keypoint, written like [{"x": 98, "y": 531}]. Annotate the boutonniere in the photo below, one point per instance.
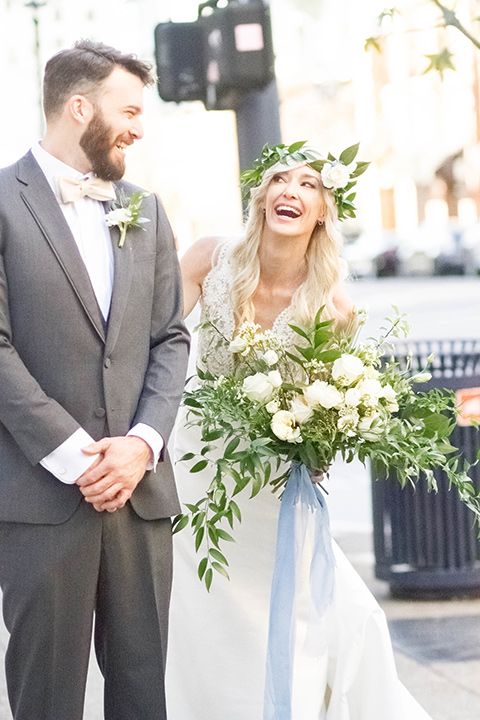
[{"x": 126, "y": 214}]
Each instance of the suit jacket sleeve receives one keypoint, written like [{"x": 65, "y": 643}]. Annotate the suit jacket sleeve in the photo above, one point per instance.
[
  {"x": 169, "y": 341},
  {"x": 37, "y": 422}
]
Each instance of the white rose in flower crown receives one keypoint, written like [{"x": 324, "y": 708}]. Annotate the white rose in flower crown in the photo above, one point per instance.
[
  {"x": 284, "y": 426},
  {"x": 335, "y": 175},
  {"x": 347, "y": 369},
  {"x": 275, "y": 378},
  {"x": 258, "y": 387},
  {"x": 391, "y": 397},
  {"x": 322, "y": 393},
  {"x": 238, "y": 345},
  {"x": 120, "y": 215},
  {"x": 270, "y": 357},
  {"x": 300, "y": 409}
]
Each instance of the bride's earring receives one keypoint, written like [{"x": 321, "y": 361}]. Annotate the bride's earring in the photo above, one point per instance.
[{"x": 320, "y": 223}]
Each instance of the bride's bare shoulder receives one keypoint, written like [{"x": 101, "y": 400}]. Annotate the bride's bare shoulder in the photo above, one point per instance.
[
  {"x": 342, "y": 300},
  {"x": 202, "y": 256},
  {"x": 199, "y": 258}
]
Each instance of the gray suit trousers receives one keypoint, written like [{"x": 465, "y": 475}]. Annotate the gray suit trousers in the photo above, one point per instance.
[{"x": 115, "y": 567}]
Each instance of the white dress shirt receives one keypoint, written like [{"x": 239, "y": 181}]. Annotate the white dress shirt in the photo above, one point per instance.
[{"x": 86, "y": 219}]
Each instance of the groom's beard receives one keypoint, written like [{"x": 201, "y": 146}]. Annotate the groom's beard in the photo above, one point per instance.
[{"x": 96, "y": 142}]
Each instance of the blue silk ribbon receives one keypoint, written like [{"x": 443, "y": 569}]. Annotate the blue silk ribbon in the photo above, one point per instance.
[{"x": 300, "y": 497}]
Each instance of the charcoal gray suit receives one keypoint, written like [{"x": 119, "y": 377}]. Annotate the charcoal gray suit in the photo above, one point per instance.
[{"x": 63, "y": 367}]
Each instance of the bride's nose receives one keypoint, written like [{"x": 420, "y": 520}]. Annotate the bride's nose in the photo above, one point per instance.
[{"x": 291, "y": 190}]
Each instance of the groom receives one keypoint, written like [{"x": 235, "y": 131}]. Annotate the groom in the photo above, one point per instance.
[{"x": 93, "y": 355}]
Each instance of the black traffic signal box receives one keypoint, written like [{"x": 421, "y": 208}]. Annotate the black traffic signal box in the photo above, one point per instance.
[{"x": 216, "y": 58}]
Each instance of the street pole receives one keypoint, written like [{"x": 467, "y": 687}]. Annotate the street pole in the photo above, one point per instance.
[
  {"x": 258, "y": 119},
  {"x": 35, "y": 6},
  {"x": 258, "y": 123}
]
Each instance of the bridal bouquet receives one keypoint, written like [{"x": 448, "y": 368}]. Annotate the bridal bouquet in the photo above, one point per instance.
[{"x": 327, "y": 395}]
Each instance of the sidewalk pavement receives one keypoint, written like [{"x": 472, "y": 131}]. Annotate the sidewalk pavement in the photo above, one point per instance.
[{"x": 436, "y": 642}]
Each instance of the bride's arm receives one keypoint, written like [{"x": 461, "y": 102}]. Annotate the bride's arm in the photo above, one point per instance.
[
  {"x": 195, "y": 265},
  {"x": 346, "y": 309}
]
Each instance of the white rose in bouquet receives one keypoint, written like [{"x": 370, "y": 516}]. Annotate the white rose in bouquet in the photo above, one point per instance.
[
  {"x": 258, "y": 387},
  {"x": 272, "y": 407},
  {"x": 274, "y": 378},
  {"x": 391, "y": 397},
  {"x": 353, "y": 397},
  {"x": 270, "y": 357},
  {"x": 284, "y": 426},
  {"x": 238, "y": 345},
  {"x": 371, "y": 372},
  {"x": 347, "y": 368},
  {"x": 348, "y": 420},
  {"x": 335, "y": 175},
  {"x": 322, "y": 393},
  {"x": 300, "y": 409},
  {"x": 369, "y": 428},
  {"x": 371, "y": 391}
]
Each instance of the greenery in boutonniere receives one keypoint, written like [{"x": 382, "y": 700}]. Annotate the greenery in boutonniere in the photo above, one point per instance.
[
  {"x": 126, "y": 214},
  {"x": 327, "y": 395}
]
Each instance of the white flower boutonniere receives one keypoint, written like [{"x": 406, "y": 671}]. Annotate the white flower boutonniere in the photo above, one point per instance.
[{"x": 127, "y": 214}]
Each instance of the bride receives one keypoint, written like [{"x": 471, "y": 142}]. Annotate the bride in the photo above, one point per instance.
[{"x": 285, "y": 267}]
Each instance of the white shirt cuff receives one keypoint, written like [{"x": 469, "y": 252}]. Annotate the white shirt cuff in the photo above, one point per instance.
[
  {"x": 153, "y": 439},
  {"x": 68, "y": 462}
]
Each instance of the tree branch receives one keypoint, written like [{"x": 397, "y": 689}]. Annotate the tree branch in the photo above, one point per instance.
[{"x": 451, "y": 19}]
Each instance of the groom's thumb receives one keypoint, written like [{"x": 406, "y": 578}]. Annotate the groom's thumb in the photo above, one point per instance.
[{"x": 96, "y": 447}]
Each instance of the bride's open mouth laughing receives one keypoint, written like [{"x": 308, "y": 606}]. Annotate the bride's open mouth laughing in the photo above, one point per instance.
[{"x": 287, "y": 211}]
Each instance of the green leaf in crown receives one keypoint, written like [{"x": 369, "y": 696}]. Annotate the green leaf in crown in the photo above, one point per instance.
[{"x": 338, "y": 175}]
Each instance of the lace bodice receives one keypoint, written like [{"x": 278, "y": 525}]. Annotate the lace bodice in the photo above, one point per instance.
[{"x": 213, "y": 352}]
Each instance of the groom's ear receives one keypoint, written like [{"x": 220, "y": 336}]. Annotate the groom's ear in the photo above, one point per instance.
[{"x": 80, "y": 109}]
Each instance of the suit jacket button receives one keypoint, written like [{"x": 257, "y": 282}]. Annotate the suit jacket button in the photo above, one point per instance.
[
  {"x": 108, "y": 362},
  {"x": 100, "y": 412}
]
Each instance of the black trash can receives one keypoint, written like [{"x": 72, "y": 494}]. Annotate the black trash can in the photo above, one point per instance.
[{"x": 425, "y": 543}]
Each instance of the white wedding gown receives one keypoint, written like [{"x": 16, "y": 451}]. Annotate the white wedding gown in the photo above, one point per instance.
[{"x": 218, "y": 640}]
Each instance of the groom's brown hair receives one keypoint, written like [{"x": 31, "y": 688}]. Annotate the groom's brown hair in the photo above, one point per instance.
[{"x": 82, "y": 68}]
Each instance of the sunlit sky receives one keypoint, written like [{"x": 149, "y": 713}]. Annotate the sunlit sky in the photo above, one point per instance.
[{"x": 182, "y": 10}]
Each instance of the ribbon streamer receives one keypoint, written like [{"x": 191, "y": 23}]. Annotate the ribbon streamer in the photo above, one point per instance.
[{"x": 300, "y": 497}]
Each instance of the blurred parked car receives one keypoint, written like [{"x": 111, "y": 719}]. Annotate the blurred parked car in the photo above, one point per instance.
[
  {"x": 435, "y": 249},
  {"x": 373, "y": 254},
  {"x": 471, "y": 244}
]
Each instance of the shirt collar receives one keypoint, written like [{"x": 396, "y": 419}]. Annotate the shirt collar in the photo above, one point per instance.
[{"x": 54, "y": 168}]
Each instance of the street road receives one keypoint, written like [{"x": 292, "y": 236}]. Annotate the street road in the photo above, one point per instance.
[{"x": 438, "y": 308}]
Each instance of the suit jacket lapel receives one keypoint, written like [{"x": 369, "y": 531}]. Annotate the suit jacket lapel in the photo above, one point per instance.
[
  {"x": 43, "y": 205},
  {"x": 122, "y": 278}
]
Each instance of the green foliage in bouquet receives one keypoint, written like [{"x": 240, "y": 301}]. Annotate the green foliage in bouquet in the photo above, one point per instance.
[{"x": 327, "y": 395}]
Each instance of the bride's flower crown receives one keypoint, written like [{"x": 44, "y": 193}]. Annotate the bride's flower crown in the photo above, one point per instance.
[{"x": 338, "y": 175}]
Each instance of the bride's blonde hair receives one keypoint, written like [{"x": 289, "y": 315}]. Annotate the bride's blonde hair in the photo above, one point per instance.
[{"x": 325, "y": 268}]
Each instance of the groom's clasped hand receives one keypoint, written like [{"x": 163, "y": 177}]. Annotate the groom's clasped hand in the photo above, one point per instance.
[{"x": 115, "y": 473}]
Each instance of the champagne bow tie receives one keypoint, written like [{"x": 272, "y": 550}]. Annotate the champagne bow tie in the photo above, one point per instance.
[{"x": 71, "y": 189}]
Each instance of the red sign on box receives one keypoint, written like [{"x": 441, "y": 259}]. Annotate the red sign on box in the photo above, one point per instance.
[{"x": 468, "y": 403}]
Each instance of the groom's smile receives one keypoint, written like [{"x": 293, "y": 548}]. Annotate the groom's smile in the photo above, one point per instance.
[{"x": 115, "y": 125}]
